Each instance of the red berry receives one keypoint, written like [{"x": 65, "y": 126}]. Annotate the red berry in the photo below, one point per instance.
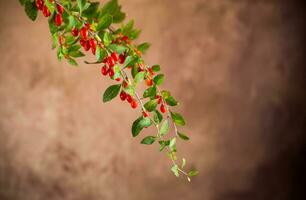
[
  {"x": 149, "y": 82},
  {"x": 86, "y": 46},
  {"x": 92, "y": 44},
  {"x": 87, "y": 25},
  {"x": 162, "y": 108},
  {"x": 123, "y": 96},
  {"x": 75, "y": 32},
  {"x": 134, "y": 104},
  {"x": 104, "y": 60},
  {"x": 82, "y": 42},
  {"x": 58, "y": 20},
  {"x": 46, "y": 12},
  {"x": 110, "y": 61},
  {"x": 121, "y": 58},
  {"x": 129, "y": 98},
  {"x": 159, "y": 99},
  {"x": 125, "y": 38},
  {"x": 60, "y": 8},
  {"x": 151, "y": 71},
  {"x": 118, "y": 79},
  {"x": 39, "y": 4},
  {"x": 104, "y": 70},
  {"x": 60, "y": 40},
  {"x": 145, "y": 114},
  {"x": 84, "y": 33},
  {"x": 115, "y": 56},
  {"x": 124, "y": 84},
  {"x": 111, "y": 72}
]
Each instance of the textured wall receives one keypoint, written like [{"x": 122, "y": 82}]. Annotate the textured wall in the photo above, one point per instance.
[{"x": 235, "y": 66}]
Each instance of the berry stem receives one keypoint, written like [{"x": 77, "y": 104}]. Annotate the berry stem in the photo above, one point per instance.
[{"x": 125, "y": 78}]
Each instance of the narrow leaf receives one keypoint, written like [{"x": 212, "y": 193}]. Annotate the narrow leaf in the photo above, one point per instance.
[
  {"x": 148, "y": 140},
  {"x": 164, "y": 128},
  {"x": 183, "y": 136},
  {"x": 111, "y": 92},
  {"x": 139, "y": 124},
  {"x": 159, "y": 79},
  {"x": 31, "y": 10},
  {"x": 175, "y": 171},
  {"x": 178, "y": 119},
  {"x": 105, "y": 22},
  {"x": 151, "y": 105},
  {"x": 193, "y": 173},
  {"x": 139, "y": 77},
  {"x": 183, "y": 163}
]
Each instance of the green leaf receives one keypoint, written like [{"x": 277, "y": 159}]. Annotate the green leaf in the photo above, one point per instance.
[
  {"x": 130, "y": 60},
  {"x": 148, "y": 140},
  {"x": 72, "y": 61},
  {"x": 91, "y": 11},
  {"x": 107, "y": 39},
  {"x": 110, "y": 7},
  {"x": 76, "y": 54},
  {"x": 150, "y": 92},
  {"x": 171, "y": 101},
  {"x": 139, "y": 124},
  {"x": 54, "y": 40},
  {"x": 22, "y": 2},
  {"x": 175, "y": 171},
  {"x": 52, "y": 27},
  {"x": 105, "y": 22},
  {"x": 134, "y": 70},
  {"x": 164, "y": 128},
  {"x": 31, "y": 10},
  {"x": 156, "y": 68},
  {"x": 118, "y": 48},
  {"x": 72, "y": 22},
  {"x": 172, "y": 145},
  {"x": 111, "y": 92},
  {"x": 143, "y": 47},
  {"x": 193, "y": 173},
  {"x": 139, "y": 77},
  {"x": 128, "y": 27},
  {"x": 130, "y": 90},
  {"x": 159, "y": 79},
  {"x": 69, "y": 39},
  {"x": 183, "y": 163},
  {"x": 134, "y": 34},
  {"x": 151, "y": 105},
  {"x": 183, "y": 136},
  {"x": 100, "y": 54},
  {"x": 157, "y": 117},
  {"x": 50, "y": 6},
  {"x": 74, "y": 48},
  {"x": 59, "y": 54},
  {"x": 81, "y": 5},
  {"x": 177, "y": 118},
  {"x": 168, "y": 98},
  {"x": 163, "y": 144},
  {"x": 118, "y": 18}
]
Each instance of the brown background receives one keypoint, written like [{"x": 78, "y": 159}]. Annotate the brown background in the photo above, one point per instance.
[{"x": 235, "y": 66}]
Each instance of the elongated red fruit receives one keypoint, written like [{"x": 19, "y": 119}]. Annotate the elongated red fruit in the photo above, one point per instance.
[{"x": 58, "y": 19}]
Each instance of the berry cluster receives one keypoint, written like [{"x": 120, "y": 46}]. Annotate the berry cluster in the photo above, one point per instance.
[
  {"x": 40, "y": 4},
  {"x": 124, "y": 96}
]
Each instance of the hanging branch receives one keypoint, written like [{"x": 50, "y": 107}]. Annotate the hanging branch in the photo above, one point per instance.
[{"x": 81, "y": 24}]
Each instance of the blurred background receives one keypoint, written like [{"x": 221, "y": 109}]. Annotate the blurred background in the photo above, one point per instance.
[{"x": 238, "y": 68}]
